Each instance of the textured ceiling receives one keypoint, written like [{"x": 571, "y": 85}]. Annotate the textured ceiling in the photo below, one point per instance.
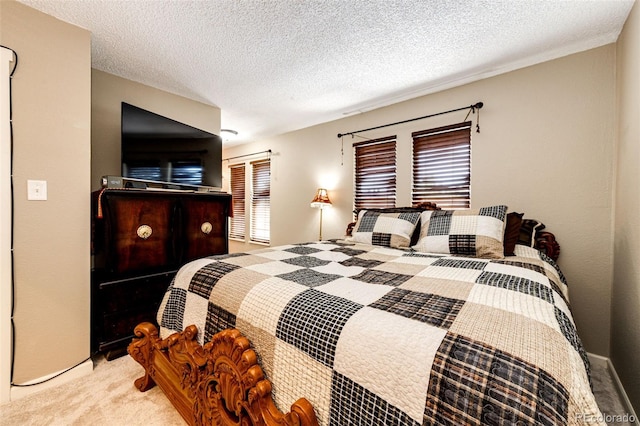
[{"x": 274, "y": 66}]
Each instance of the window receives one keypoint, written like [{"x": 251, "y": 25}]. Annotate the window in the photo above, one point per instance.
[
  {"x": 260, "y": 201},
  {"x": 237, "y": 184},
  {"x": 375, "y": 173},
  {"x": 257, "y": 198},
  {"x": 442, "y": 166}
]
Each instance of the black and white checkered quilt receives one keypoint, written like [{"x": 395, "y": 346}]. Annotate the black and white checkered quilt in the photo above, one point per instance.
[{"x": 380, "y": 336}]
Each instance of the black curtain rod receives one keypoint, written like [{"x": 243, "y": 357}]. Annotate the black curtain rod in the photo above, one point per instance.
[
  {"x": 247, "y": 155},
  {"x": 472, "y": 107}
]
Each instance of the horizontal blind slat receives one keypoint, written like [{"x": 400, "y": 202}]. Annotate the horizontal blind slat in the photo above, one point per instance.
[
  {"x": 260, "y": 201},
  {"x": 237, "y": 184},
  {"x": 442, "y": 166},
  {"x": 375, "y": 173}
]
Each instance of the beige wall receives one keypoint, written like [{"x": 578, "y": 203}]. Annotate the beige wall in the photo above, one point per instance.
[
  {"x": 545, "y": 148},
  {"x": 51, "y": 120},
  {"x": 625, "y": 308},
  {"x": 109, "y": 91}
]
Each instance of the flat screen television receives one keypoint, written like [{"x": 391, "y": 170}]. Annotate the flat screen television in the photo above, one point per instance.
[{"x": 159, "y": 149}]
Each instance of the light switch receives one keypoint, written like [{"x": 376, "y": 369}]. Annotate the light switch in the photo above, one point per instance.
[{"x": 36, "y": 189}]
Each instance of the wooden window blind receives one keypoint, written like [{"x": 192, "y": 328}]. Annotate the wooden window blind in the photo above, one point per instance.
[
  {"x": 237, "y": 183},
  {"x": 442, "y": 166},
  {"x": 260, "y": 201},
  {"x": 375, "y": 173}
]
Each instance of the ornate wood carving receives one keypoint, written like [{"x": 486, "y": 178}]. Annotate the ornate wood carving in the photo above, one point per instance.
[
  {"x": 349, "y": 230},
  {"x": 220, "y": 383},
  {"x": 546, "y": 243},
  {"x": 427, "y": 205}
]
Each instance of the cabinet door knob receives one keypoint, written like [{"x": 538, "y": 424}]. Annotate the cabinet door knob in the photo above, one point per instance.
[
  {"x": 144, "y": 231},
  {"x": 206, "y": 227}
]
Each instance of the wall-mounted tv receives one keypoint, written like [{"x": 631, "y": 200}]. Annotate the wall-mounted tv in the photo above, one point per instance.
[{"x": 159, "y": 149}]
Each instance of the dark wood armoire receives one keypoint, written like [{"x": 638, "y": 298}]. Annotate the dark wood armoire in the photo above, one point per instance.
[{"x": 140, "y": 238}]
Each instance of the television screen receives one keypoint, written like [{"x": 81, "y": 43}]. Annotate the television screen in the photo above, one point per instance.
[{"x": 157, "y": 148}]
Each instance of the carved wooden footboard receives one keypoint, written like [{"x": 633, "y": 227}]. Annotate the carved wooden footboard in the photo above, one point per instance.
[{"x": 220, "y": 383}]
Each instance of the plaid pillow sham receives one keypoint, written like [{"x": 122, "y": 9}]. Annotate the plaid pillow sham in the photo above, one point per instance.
[
  {"x": 385, "y": 229},
  {"x": 473, "y": 232}
]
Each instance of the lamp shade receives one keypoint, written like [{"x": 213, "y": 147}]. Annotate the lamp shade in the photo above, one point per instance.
[{"x": 321, "y": 199}]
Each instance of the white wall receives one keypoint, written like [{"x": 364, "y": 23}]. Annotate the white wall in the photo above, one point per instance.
[{"x": 545, "y": 148}]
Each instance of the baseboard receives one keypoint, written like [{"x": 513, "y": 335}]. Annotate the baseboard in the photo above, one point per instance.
[
  {"x": 18, "y": 392},
  {"x": 593, "y": 358}
]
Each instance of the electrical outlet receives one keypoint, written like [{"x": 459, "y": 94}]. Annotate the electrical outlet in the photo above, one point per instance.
[{"x": 36, "y": 190}]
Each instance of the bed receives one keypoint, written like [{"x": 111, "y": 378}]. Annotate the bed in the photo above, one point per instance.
[{"x": 419, "y": 316}]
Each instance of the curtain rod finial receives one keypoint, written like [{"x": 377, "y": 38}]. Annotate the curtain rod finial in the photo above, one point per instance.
[{"x": 479, "y": 105}]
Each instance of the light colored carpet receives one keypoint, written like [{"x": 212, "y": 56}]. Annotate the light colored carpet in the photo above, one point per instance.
[
  {"x": 607, "y": 396},
  {"x": 108, "y": 397}
]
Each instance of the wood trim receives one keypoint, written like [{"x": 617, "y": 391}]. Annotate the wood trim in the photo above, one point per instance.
[
  {"x": 375, "y": 141},
  {"x": 546, "y": 243},
  {"x": 220, "y": 383}
]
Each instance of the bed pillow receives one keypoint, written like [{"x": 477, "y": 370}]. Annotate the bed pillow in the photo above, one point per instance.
[
  {"x": 385, "y": 229},
  {"x": 472, "y": 232},
  {"x": 528, "y": 231},
  {"x": 419, "y": 209},
  {"x": 512, "y": 232}
]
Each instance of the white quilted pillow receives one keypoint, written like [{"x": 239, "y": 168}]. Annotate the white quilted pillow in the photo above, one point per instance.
[{"x": 472, "y": 232}]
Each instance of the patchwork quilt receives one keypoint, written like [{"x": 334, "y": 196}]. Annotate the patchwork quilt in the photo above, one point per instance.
[{"x": 380, "y": 336}]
